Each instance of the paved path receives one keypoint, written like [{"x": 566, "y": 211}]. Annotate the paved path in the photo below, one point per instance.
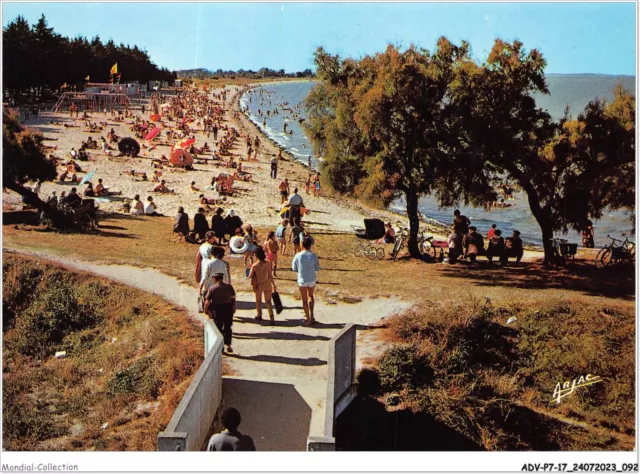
[{"x": 278, "y": 380}]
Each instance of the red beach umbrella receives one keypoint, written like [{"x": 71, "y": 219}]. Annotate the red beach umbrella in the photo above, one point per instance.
[
  {"x": 181, "y": 159},
  {"x": 155, "y": 118},
  {"x": 152, "y": 134}
]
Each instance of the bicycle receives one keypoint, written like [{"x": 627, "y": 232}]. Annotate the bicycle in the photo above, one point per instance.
[
  {"x": 616, "y": 254},
  {"x": 401, "y": 241},
  {"x": 425, "y": 245},
  {"x": 363, "y": 249}
]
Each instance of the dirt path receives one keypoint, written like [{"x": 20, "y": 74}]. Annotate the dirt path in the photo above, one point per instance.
[{"x": 279, "y": 372}]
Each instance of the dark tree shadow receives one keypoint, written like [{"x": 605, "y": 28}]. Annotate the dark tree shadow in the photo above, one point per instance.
[{"x": 582, "y": 276}]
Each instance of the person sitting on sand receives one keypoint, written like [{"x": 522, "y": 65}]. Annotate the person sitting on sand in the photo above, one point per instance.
[
  {"x": 162, "y": 188},
  {"x": 72, "y": 199},
  {"x": 181, "y": 224},
  {"x": 63, "y": 176},
  {"x": 496, "y": 247},
  {"x": 73, "y": 153},
  {"x": 74, "y": 178},
  {"x": 89, "y": 191},
  {"x": 100, "y": 189},
  {"x": 193, "y": 187},
  {"x": 200, "y": 224},
  {"x": 150, "y": 208},
  {"x": 513, "y": 247},
  {"x": 473, "y": 244},
  {"x": 233, "y": 223},
  {"x": 389, "y": 236},
  {"x": 137, "y": 206}
]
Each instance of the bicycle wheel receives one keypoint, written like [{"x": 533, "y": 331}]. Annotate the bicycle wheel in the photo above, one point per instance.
[
  {"x": 370, "y": 252},
  {"x": 358, "y": 250},
  {"x": 430, "y": 250},
  {"x": 396, "y": 249},
  {"x": 604, "y": 257},
  {"x": 380, "y": 253}
]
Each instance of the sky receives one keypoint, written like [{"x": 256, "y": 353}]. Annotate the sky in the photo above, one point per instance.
[{"x": 573, "y": 37}]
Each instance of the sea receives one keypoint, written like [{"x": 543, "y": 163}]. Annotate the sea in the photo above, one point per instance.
[{"x": 572, "y": 91}]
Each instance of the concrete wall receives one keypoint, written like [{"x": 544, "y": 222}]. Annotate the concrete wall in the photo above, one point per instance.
[
  {"x": 340, "y": 385},
  {"x": 188, "y": 428}
]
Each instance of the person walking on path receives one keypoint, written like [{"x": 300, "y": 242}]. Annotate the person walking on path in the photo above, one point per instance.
[
  {"x": 307, "y": 265},
  {"x": 274, "y": 167},
  {"x": 210, "y": 266},
  {"x": 230, "y": 439},
  {"x": 261, "y": 277},
  {"x": 203, "y": 253},
  {"x": 284, "y": 191},
  {"x": 281, "y": 235},
  {"x": 294, "y": 235},
  {"x": 271, "y": 248},
  {"x": 220, "y": 304}
]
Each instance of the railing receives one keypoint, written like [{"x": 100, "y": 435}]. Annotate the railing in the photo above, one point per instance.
[
  {"x": 340, "y": 385},
  {"x": 188, "y": 428}
]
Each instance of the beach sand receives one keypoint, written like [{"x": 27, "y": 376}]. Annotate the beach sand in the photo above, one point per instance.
[{"x": 257, "y": 202}]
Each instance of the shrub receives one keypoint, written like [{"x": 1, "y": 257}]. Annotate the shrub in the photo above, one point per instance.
[
  {"x": 401, "y": 367},
  {"x": 138, "y": 378}
]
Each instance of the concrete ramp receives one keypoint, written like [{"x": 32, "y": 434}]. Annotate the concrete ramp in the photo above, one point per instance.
[{"x": 274, "y": 414}]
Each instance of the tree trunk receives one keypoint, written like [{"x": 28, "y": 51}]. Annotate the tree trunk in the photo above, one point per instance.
[
  {"x": 543, "y": 221},
  {"x": 32, "y": 199},
  {"x": 414, "y": 221}
]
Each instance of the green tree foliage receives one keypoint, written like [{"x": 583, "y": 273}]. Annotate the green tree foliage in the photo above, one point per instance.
[
  {"x": 413, "y": 123},
  {"x": 36, "y": 59},
  {"x": 23, "y": 160},
  {"x": 388, "y": 124}
]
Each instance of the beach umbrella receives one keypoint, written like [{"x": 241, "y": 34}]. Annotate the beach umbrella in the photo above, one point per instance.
[
  {"x": 87, "y": 177},
  {"x": 155, "y": 118},
  {"x": 184, "y": 143},
  {"x": 181, "y": 159},
  {"x": 128, "y": 146},
  {"x": 152, "y": 134}
]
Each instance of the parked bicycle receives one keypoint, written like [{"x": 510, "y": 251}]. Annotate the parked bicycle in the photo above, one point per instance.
[
  {"x": 402, "y": 239},
  {"x": 616, "y": 253}
]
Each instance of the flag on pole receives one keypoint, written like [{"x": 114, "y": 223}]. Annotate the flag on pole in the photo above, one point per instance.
[
  {"x": 114, "y": 69},
  {"x": 86, "y": 78}
]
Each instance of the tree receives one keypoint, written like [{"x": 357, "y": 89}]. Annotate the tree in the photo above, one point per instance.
[
  {"x": 410, "y": 123},
  {"x": 24, "y": 160},
  {"x": 387, "y": 123},
  {"x": 570, "y": 170}
]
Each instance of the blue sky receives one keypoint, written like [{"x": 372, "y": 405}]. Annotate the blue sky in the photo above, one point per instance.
[{"x": 573, "y": 37}]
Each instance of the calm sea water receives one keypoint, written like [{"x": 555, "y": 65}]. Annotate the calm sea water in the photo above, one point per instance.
[{"x": 572, "y": 90}]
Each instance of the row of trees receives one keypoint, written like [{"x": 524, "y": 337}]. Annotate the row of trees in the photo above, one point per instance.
[
  {"x": 262, "y": 73},
  {"x": 37, "y": 59},
  {"x": 413, "y": 123}
]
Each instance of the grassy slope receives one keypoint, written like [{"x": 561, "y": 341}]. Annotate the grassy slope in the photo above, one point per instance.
[{"x": 129, "y": 360}]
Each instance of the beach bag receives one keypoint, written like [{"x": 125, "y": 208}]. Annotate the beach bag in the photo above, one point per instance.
[
  {"x": 277, "y": 302},
  {"x": 200, "y": 303}
]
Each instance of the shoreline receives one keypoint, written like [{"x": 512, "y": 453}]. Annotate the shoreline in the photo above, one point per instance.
[{"x": 435, "y": 227}]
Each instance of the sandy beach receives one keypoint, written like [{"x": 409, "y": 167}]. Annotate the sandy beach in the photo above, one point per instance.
[{"x": 256, "y": 202}]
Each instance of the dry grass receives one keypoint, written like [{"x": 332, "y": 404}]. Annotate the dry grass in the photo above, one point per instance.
[
  {"x": 128, "y": 366},
  {"x": 493, "y": 382}
]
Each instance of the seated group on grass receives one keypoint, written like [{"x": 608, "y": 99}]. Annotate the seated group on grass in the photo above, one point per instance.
[{"x": 471, "y": 245}]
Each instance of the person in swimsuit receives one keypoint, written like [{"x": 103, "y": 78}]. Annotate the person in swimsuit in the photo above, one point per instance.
[
  {"x": 271, "y": 247},
  {"x": 261, "y": 276}
]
